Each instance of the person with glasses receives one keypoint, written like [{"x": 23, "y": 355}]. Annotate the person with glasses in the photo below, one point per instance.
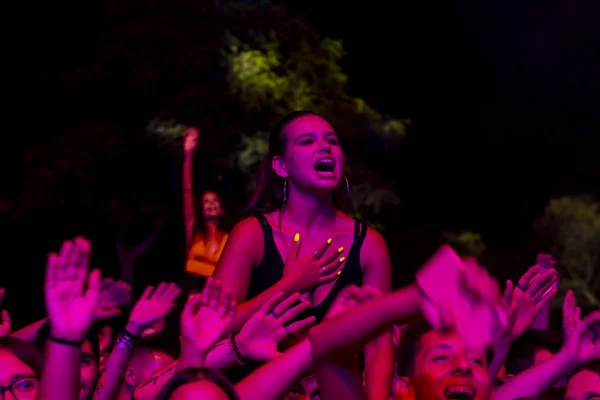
[{"x": 20, "y": 366}]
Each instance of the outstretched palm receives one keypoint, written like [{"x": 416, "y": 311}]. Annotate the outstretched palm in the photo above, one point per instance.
[
  {"x": 260, "y": 335},
  {"x": 206, "y": 316},
  {"x": 581, "y": 336},
  {"x": 153, "y": 305},
  {"x": 70, "y": 306}
]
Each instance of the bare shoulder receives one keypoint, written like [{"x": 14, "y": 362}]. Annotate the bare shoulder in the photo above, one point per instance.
[
  {"x": 374, "y": 241},
  {"x": 247, "y": 226}
]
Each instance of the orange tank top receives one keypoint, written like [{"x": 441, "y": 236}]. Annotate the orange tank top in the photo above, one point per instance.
[{"x": 200, "y": 259}]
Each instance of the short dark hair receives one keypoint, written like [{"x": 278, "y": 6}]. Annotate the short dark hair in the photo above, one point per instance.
[
  {"x": 26, "y": 352},
  {"x": 190, "y": 375},
  {"x": 409, "y": 347},
  {"x": 522, "y": 352},
  {"x": 43, "y": 334}
]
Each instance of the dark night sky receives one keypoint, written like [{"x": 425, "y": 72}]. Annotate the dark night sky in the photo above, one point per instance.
[
  {"x": 507, "y": 94},
  {"x": 510, "y": 93}
]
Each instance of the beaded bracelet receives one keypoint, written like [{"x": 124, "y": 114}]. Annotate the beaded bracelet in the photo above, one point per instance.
[{"x": 235, "y": 351}]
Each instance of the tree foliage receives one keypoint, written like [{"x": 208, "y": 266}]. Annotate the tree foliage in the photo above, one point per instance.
[{"x": 570, "y": 227}]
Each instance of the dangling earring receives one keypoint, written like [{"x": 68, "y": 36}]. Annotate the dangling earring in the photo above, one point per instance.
[
  {"x": 284, "y": 190},
  {"x": 347, "y": 185}
]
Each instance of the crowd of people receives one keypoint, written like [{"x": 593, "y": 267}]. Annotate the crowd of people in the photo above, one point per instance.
[{"x": 296, "y": 302}]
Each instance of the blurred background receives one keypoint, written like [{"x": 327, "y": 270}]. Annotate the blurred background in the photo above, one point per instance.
[{"x": 471, "y": 123}]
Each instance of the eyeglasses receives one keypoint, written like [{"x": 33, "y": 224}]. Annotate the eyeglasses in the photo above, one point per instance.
[{"x": 24, "y": 388}]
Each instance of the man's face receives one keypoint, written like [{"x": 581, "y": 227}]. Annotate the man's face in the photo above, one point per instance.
[
  {"x": 444, "y": 368},
  {"x": 89, "y": 370}
]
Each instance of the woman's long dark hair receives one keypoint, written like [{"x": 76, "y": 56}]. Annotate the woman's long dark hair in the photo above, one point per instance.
[
  {"x": 268, "y": 196},
  {"x": 190, "y": 375}
]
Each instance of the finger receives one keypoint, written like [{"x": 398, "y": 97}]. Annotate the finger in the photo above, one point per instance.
[
  {"x": 592, "y": 319},
  {"x": 147, "y": 293},
  {"x": 81, "y": 260},
  {"x": 299, "y": 326},
  {"x": 270, "y": 304},
  {"x": 318, "y": 253},
  {"x": 192, "y": 304},
  {"x": 224, "y": 302},
  {"x": 547, "y": 297},
  {"x": 207, "y": 291},
  {"x": 51, "y": 270},
  {"x": 507, "y": 295},
  {"x": 330, "y": 257},
  {"x": 528, "y": 276},
  {"x": 294, "y": 248},
  {"x": 65, "y": 268},
  {"x": 539, "y": 280},
  {"x": 174, "y": 293},
  {"x": 160, "y": 290},
  {"x": 215, "y": 296},
  {"x": 228, "y": 318},
  {"x": 6, "y": 320},
  {"x": 545, "y": 288},
  {"x": 92, "y": 293},
  {"x": 285, "y": 304},
  {"x": 333, "y": 267},
  {"x": 293, "y": 312}
]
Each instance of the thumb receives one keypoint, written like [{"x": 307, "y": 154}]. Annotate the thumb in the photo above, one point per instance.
[{"x": 294, "y": 248}]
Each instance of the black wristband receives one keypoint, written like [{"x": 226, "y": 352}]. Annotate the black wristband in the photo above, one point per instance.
[{"x": 74, "y": 343}]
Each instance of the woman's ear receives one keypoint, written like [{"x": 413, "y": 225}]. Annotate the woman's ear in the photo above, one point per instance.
[{"x": 279, "y": 167}]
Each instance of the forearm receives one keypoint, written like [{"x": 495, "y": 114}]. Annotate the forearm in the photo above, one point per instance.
[
  {"x": 60, "y": 375},
  {"x": 189, "y": 215},
  {"x": 379, "y": 363},
  {"x": 220, "y": 357},
  {"x": 280, "y": 373},
  {"x": 149, "y": 389},
  {"x": 248, "y": 308},
  {"x": 501, "y": 348},
  {"x": 534, "y": 381},
  {"x": 356, "y": 327}
]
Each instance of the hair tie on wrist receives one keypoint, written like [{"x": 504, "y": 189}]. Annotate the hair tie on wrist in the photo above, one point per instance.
[{"x": 74, "y": 343}]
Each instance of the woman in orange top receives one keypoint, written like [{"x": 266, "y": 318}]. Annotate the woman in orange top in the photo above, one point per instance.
[{"x": 204, "y": 240}]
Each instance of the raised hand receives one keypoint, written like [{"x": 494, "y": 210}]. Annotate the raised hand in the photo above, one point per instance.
[
  {"x": 321, "y": 266},
  {"x": 113, "y": 294},
  {"x": 206, "y": 316},
  {"x": 153, "y": 305},
  {"x": 70, "y": 305},
  {"x": 522, "y": 304},
  {"x": 190, "y": 140},
  {"x": 5, "y": 324},
  {"x": 460, "y": 295},
  {"x": 260, "y": 335},
  {"x": 581, "y": 337}
]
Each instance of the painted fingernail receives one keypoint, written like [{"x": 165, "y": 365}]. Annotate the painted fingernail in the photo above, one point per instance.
[
  {"x": 339, "y": 273},
  {"x": 329, "y": 241},
  {"x": 297, "y": 237},
  {"x": 342, "y": 259},
  {"x": 340, "y": 249}
]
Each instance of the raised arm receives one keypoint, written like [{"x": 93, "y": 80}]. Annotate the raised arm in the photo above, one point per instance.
[{"x": 190, "y": 142}]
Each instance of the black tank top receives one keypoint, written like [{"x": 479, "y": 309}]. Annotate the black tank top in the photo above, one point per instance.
[{"x": 270, "y": 271}]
